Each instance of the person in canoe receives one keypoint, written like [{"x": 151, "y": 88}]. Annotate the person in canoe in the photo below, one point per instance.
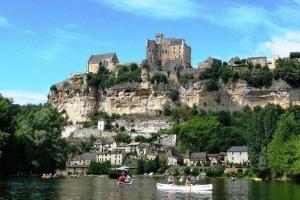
[
  {"x": 128, "y": 179},
  {"x": 188, "y": 181},
  {"x": 122, "y": 179},
  {"x": 171, "y": 180}
]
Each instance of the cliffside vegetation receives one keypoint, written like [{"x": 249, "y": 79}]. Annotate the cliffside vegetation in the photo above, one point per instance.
[
  {"x": 105, "y": 79},
  {"x": 255, "y": 75},
  {"x": 30, "y": 138}
]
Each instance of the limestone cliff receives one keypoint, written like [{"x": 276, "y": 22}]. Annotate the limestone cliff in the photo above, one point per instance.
[{"x": 77, "y": 100}]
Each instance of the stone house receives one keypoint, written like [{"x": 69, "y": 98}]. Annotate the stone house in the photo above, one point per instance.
[
  {"x": 237, "y": 155},
  {"x": 104, "y": 145},
  {"x": 258, "y": 60},
  {"x": 108, "y": 60},
  {"x": 115, "y": 157},
  {"x": 79, "y": 164},
  {"x": 191, "y": 159},
  {"x": 209, "y": 62},
  {"x": 168, "y": 54},
  {"x": 171, "y": 155}
]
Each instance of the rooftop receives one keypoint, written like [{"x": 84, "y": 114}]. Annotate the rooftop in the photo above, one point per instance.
[
  {"x": 95, "y": 59},
  {"x": 237, "y": 149}
]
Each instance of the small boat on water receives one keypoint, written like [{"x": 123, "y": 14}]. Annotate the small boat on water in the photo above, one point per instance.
[
  {"x": 125, "y": 183},
  {"x": 184, "y": 188}
]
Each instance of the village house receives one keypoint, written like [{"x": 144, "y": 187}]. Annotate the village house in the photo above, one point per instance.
[
  {"x": 108, "y": 60},
  {"x": 213, "y": 160},
  {"x": 209, "y": 62},
  {"x": 237, "y": 155},
  {"x": 195, "y": 158},
  {"x": 170, "y": 153},
  {"x": 115, "y": 157},
  {"x": 105, "y": 144},
  {"x": 258, "y": 61},
  {"x": 79, "y": 164}
]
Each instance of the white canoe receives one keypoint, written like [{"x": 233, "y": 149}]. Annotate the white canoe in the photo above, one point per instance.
[{"x": 183, "y": 188}]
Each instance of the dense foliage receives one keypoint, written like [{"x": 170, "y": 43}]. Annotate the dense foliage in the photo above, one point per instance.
[
  {"x": 255, "y": 75},
  {"x": 122, "y": 138},
  {"x": 158, "y": 78},
  {"x": 148, "y": 166},
  {"x": 99, "y": 168},
  {"x": 105, "y": 79},
  {"x": 173, "y": 94},
  {"x": 30, "y": 139},
  {"x": 288, "y": 71}
]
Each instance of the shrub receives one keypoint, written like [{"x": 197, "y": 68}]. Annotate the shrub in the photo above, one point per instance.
[
  {"x": 211, "y": 85},
  {"x": 187, "y": 171},
  {"x": 175, "y": 172},
  {"x": 122, "y": 138},
  {"x": 167, "y": 111},
  {"x": 159, "y": 78},
  {"x": 173, "y": 95},
  {"x": 195, "y": 172},
  {"x": 214, "y": 172}
]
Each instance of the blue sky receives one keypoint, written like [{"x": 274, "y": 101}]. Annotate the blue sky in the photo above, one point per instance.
[{"x": 43, "y": 42}]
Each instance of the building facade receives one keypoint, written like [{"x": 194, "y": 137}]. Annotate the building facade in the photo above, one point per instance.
[
  {"x": 109, "y": 61},
  {"x": 168, "y": 54},
  {"x": 258, "y": 61},
  {"x": 237, "y": 155},
  {"x": 115, "y": 157},
  {"x": 209, "y": 62},
  {"x": 104, "y": 145}
]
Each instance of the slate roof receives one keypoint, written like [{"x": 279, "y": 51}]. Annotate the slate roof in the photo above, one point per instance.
[
  {"x": 238, "y": 149},
  {"x": 96, "y": 59},
  {"x": 85, "y": 156},
  {"x": 198, "y": 156}
]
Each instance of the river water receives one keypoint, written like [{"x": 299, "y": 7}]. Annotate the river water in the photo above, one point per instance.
[{"x": 143, "y": 188}]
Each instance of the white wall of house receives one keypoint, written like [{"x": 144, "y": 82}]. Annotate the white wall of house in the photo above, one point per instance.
[{"x": 237, "y": 157}]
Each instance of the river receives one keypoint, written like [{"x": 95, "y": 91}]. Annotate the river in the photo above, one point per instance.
[{"x": 143, "y": 188}]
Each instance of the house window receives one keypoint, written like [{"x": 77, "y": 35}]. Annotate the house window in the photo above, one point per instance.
[{"x": 232, "y": 158}]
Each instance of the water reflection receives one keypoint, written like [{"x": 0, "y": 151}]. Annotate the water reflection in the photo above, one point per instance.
[{"x": 143, "y": 188}]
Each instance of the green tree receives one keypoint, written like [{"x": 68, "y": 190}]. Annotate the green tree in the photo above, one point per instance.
[
  {"x": 283, "y": 151},
  {"x": 159, "y": 78},
  {"x": 122, "y": 138},
  {"x": 98, "y": 168},
  {"x": 173, "y": 94}
]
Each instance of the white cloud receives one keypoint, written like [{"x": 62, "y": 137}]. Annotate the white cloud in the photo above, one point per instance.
[
  {"x": 25, "y": 97},
  {"x": 4, "y": 22},
  {"x": 61, "y": 38},
  {"x": 282, "y": 45},
  {"x": 170, "y": 9}
]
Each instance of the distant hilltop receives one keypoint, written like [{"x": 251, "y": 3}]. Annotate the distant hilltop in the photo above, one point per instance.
[{"x": 165, "y": 79}]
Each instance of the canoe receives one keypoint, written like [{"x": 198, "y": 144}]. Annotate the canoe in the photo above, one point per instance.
[
  {"x": 125, "y": 183},
  {"x": 184, "y": 188}
]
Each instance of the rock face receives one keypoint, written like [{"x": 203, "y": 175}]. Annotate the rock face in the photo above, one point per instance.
[{"x": 76, "y": 100}]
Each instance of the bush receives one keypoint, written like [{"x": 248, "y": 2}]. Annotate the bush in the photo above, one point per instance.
[
  {"x": 173, "y": 95},
  {"x": 195, "y": 172},
  {"x": 259, "y": 77},
  {"x": 159, "y": 78},
  {"x": 288, "y": 71},
  {"x": 122, "y": 138},
  {"x": 187, "y": 171},
  {"x": 214, "y": 172},
  {"x": 167, "y": 111},
  {"x": 211, "y": 85},
  {"x": 294, "y": 55},
  {"x": 98, "y": 168},
  {"x": 175, "y": 172}
]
